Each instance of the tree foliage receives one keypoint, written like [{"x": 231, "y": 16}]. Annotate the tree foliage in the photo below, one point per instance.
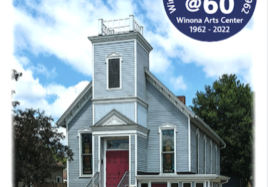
[
  {"x": 15, "y": 75},
  {"x": 37, "y": 145},
  {"x": 227, "y": 107}
]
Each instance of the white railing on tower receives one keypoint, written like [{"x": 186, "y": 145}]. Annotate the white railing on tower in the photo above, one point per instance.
[{"x": 117, "y": 26}]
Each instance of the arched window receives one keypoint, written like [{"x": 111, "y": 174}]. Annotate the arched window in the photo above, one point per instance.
[
  {"x": 114, "y": 78},
  {"x": 167, "y": 133},
  {"x": 85, "y": 152}
]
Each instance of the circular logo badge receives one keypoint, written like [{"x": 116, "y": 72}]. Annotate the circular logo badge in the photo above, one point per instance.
[{"x": 209, "y": 20}]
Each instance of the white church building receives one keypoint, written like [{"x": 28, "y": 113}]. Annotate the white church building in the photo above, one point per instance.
[{"x": 126, "y": 128}]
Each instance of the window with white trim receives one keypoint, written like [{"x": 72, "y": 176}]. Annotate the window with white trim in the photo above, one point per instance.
[
  {"x": 168, "y": 151},
  {"x": 187, "y": 184},
  {"x": 144, "y": 184},
  {"x": 114, "y": 79},
  {"x": 199, "y": 184},
  {"x": 114, "y": 73},
  {"x": 58, "y": 179},
  {"x": 168, "y": 148},
  {"x": 85, "y": 152}
]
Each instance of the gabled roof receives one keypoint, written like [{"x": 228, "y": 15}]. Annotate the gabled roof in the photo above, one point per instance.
[
  {"x": 75, "y": 107},
  {"x": 183, "y": 108},
  {"x": 120, "y": 117},
  {"x": 121, "y": 123}
]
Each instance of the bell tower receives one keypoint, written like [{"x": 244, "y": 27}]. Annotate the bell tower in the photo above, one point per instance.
[{"x": 120, "y": 54}]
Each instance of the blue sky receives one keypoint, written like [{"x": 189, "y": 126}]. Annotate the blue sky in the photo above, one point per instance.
[{"x": 52, "y": 50}]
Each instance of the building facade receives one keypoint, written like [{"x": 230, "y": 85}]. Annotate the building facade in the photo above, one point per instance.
[{"x": 128, "y": 129}]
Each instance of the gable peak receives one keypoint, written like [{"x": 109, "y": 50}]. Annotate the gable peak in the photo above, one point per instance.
[{"x": 113, "y": 54}]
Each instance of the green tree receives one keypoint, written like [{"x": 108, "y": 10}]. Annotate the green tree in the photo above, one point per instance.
[
  {"x": 227, "y": 107},
  {"x": 37, "y": 146},
  {"x": 15, "y": 76}
]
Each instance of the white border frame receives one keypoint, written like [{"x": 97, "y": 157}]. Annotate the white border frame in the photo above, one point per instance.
[
  {"x": 85, "y": 130},
  {"x": 167, "y": 126},
  {"x": 109, "y": 57}
]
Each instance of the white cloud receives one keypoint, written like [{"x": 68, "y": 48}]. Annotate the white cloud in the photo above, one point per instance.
[
  {"x": 31, "y": 94},
  {"x": 40, "y": 68},
  {"x": 62, "y": 29},
  {"x": 24, "y": 60},
  {"x": 178, "y": 83},
  {"x": 159, "y": 63}
]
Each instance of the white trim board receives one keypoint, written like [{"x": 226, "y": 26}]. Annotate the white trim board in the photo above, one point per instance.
[
  {"x": 115, "y": 133},
  {"x": 135, "y": 68},
  {"x": 189, "y": 143},
  {"x": 109, "y": 100}
]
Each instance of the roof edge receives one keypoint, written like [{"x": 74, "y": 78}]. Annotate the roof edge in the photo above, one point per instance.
[
  {"x": 62, "y": 120},
  {"x": 187, "y": 112},
  {"x": 183, "y": 108}
]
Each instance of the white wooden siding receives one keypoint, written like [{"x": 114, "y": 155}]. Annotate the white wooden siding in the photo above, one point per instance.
[
  {"x": 127, "y": 109},
  {"x": 160, "y": 111},
  {"x": 142, "y": 116},
  {"x": 82, "y": 119},
  {"x": 142, "y": 154},
  {"x": 126, "y": 49},
  {"x": 142, "y": 61},
  {"x": 193, "y": 148},
  {"x": 133, "y": 159}
]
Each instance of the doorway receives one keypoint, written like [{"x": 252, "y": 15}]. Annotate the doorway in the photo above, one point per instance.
[{"x": 117, "y": 163}]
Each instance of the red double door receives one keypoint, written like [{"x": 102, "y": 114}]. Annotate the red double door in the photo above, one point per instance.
[{"x": 116, "y": 166}]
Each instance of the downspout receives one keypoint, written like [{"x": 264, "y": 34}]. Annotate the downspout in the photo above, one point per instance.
[{"x": 224, "y": 182}]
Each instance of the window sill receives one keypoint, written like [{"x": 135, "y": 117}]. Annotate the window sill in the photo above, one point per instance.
[
  {"x": 168, "y": 174},
  {"x": 85, "y": 176},
  {"x": 114, "y": 88}
]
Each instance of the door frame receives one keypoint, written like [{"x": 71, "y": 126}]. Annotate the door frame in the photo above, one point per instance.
[{"x": 105, "y": 138}]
